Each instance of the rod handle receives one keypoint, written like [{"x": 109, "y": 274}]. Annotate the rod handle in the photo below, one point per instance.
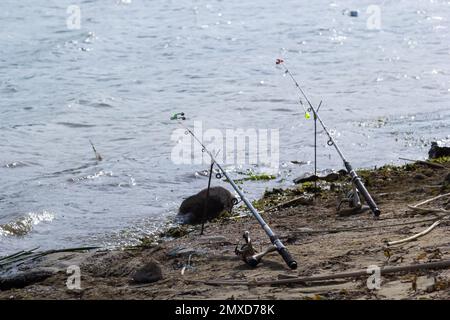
[
  {"x": 288, "y": 258},
  {"x": 361, "y": 188},
  {"x": 372, "y": 205}
]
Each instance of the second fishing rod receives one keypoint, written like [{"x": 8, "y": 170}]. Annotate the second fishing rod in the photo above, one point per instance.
[
  {"x": 274, "y": 239},
  {"x": 356, "y": 180}
]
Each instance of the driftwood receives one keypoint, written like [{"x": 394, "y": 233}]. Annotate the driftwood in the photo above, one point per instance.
[
  {"x": 428, "y": 210},
  {"x": 432, "y": 199},
  {"x": 417, "y": 235},
  {"x": 430, "y": 228},
  {"x": 319, "y": 278},
  {"x": 24, "y": 256},
  {"x": 337, "y": 230},
  {"x": 23, "y": 279},
  {"x": 416, "y": 206},
  {"x": 427, "y": 163}
]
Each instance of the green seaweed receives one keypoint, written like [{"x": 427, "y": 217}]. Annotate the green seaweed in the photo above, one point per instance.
[
  {"x": 177, "y": 231},
  {"x": 274, "y": 191},
  {"x": 310, "y": 187},
  {"x": 147, "y": 242},
  {"x": 410, "y": 167},
  {"x": 255, "y": 177},
  {"x": 441, "y": 160},
  {"x": 259, "y": 177},
  {"x": 224, "y": 216}
]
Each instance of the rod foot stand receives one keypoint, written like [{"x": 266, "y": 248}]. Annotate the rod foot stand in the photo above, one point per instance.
[{"x": 352, "y": 211}]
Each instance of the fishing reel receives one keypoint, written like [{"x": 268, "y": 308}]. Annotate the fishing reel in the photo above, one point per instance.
[
  {"x": 353, "y": 200},
  {"x": 248, "y": 254}
]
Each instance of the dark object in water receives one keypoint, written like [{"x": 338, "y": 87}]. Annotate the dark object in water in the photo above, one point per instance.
[
  {"x": 191, "y": 209},
  {"x": 150, "y": 272},
  {"x": 438, "y": 150},
  {"x": 350, "y": 13},
  {"x": 98, "y": 156}
]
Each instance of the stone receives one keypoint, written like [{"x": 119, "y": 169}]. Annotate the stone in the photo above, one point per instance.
[
  {"x": 212, "y": 239},
  {"x": 426, "y": 283},
  {"x": 149, "y": 273},
  {"x": 419, "y": 176},
  {"x": 447, "y": 179},
  {"x": 185, "y": 252}
]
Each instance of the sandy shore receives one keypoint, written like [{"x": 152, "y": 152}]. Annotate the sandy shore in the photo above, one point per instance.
[{"x": 189, "y": 261}]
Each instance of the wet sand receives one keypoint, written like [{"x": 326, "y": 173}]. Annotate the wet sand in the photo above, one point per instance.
[{"x": 187, "y": 262}]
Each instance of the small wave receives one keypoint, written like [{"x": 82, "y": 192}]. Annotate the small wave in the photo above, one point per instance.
[
  {"x": 282, "y": 110},
  {"x": 16, "y": 164},
  {"x": 92, "y": 176},
  {"x": 101, "y": 105},
  {"x": 24, "y": 225},
  {"x": 76, "y": 125},
  {"x": 124, "y": 139},
  {"x": 131, "y": 183}
]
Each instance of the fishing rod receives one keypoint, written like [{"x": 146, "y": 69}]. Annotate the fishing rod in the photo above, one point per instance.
[
  {"x": 282, "y": 250},
  {"x": 356, "y": 180}
]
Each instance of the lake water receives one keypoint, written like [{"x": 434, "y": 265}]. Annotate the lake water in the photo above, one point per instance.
[{"x": 132, "y": 64}]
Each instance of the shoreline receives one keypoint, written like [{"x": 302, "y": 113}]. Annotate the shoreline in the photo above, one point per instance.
[{"x": 322, "y": 242}]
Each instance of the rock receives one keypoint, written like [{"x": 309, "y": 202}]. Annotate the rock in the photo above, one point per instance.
[
  {"x": 447, "y": 179},
  {"x": 447, "y": 205},
  {"x": 149, "y": 273},
  {"x": 428, "y": 172},
  {"x": 192, "y": 209},
  {"x": 185, "y": 252},
  {"x": 439, "y": 149},
  {"x": 426, "y": 284},
  {"x": 419, "y": 176},
  {"x": 212, "y": 239}
]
